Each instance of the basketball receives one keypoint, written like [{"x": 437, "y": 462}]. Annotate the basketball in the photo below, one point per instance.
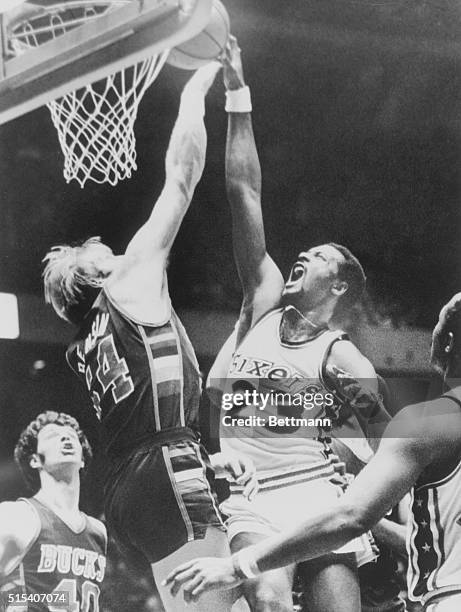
[{"x": 207, "y": 45}]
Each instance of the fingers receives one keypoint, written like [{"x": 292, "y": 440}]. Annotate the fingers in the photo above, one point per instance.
[
  {"x": 248, "y": 478},
  {"x": 340, "y": 468},
  {"x": 333, "y": 457},
  {"x": 230, "y": 49},
  {"x": 233, "y": 44},
  {"x": 235, "y": 468},
  {"x": 190, "y": 588},
  {"x": 251, "y": 488},
  {"x": 174, "y": 574}
]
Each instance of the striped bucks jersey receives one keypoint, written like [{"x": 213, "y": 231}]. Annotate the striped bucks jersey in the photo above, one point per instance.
[
  {"x": 434, "y": 536},
  {"x": 265, "y": 363},
  {"x": 142, "y": 379},
  {"x": 59, "y": 560}
]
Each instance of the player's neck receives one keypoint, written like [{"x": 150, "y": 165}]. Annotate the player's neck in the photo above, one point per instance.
[
  {"x": 296, "y": 326},
  {"x": 61, "y": 495}
]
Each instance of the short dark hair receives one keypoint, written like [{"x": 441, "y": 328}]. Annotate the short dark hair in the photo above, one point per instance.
[
  {"x": 351, "y": 271},
  {"x": 27, "y": 444}
]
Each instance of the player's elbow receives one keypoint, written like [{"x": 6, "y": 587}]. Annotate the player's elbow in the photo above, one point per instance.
[{"x": 242, "y": 190}]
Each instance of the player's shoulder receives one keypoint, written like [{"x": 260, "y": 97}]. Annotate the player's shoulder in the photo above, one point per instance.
[
  {"x": 19, "y": 521},
  {"x": 431, "y": 425},
  {"x": 346, "y": 355},
  {"x": 97, "y": 526}
]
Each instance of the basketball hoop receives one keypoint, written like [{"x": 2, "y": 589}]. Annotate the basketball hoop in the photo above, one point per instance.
[{"x": 95, "y": 123}]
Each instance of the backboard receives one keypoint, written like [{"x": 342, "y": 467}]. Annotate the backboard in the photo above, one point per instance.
[{"x": 115, "y": 39}]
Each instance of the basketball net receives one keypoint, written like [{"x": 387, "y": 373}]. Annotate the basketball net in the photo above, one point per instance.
[{"x": 95, "y": 123}]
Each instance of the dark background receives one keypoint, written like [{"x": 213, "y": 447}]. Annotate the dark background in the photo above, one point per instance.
[{"x": 357, "y": 120}]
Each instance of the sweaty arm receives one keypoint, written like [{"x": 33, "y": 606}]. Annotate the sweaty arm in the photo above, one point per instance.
[
  {"x": 261, "y": 280},
  {"x": 435, "y": 428},
  {"x": 419, "y": 436},
  {"x": 19, "y": 526},
  {"x": 140, "y": 281}
]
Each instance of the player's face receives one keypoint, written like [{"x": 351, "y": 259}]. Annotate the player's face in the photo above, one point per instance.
[
  {"x": 314, "y": 273},
  {"x": 57, "y": 446}
]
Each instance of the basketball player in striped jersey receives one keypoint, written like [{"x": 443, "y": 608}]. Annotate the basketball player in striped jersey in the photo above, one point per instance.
[
  {"x": 48, "y": 547},
  {"x": 284, "y": 343},
  {"x": 421, "y": 453},
  {"x": 142, "y": 375}
]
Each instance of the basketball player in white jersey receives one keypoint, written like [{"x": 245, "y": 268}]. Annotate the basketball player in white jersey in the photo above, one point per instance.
[
  {"x": 421, "y": 453},
  {"x": 284, "y": 342},
  {"x": 47, "y": 545}
]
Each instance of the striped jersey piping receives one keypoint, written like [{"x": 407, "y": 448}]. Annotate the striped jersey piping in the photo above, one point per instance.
[
  {"x": 179, "y": 499},
  {"x": 279, "y": 481},
  {"x": 433, "y": 596},
  {"x": 150, "y": 360}
]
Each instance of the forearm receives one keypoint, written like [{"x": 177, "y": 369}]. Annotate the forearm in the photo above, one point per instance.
[
  {"x": 185, "y": 157},
  {"x": 243, "y": 185},
  {"x": 314, "y": 538},
  {"x": 379, "y": 487},
  {"x": 184, "y": 164},
  {"x": 243, "y": 171},
  {"x": 391, "y": 534}
]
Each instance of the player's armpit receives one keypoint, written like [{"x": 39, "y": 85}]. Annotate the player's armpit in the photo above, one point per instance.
[
  {"x": 139, "y": 289},
  {"x": 264, "y": 296}
]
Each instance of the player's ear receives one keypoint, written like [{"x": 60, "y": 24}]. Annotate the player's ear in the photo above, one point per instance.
[
  {"x": 450, "y": 342},
  {"x": 35, "y": 461},
  {"x": 339, "y": 288}
]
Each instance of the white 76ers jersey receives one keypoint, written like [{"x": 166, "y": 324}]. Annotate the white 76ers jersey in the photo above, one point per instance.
[{"x": 262, "y": 362}]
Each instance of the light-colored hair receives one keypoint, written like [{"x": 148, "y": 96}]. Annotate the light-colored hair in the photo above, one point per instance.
[{"x": 67, "y": 285}]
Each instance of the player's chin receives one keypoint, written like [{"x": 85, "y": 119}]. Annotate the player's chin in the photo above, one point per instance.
[
  {"x": 290, "y": 293},
  {"x": 70, "y": 459}
]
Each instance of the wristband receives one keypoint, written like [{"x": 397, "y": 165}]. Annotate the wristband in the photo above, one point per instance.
[
  {"x": 238, "y": 100},
  {"x": 245, "y": 565}
]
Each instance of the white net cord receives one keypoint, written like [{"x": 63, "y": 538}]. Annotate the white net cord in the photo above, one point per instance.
[
  {"x": 96, "y": 128},
  {"x": 95, "y": 123}
]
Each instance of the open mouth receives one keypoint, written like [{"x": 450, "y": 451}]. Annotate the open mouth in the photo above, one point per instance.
[{"x": 297, "y": 272}]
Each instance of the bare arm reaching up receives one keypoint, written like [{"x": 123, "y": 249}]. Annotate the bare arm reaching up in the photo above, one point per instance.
[
  {"x": 261, "y": 280},
  {"x": 140, "y": 282}
]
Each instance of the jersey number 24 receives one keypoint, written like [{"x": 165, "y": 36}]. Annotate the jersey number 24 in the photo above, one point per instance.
[{"x": 111, "y": 373}]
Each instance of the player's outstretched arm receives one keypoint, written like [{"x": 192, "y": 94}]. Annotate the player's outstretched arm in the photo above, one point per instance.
[
  {"x": 395, "y": 468},
  {"x": 139, "y": 283},
  {"x": 184, "y": 163},
  {"x": 376, "y": 489},
  {"x": 261, "y": 279},
  {"x": 19, "y": 526}
]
